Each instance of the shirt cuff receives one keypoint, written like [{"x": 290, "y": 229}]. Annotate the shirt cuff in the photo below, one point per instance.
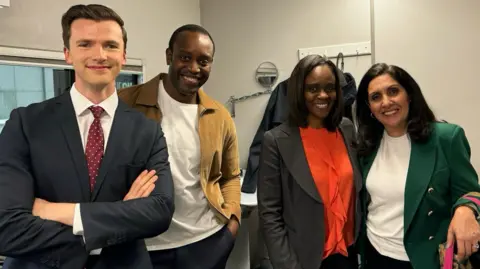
[{"x": 77, "y": 222}]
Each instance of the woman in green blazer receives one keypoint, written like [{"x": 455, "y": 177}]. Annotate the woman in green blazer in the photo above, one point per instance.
[{"x": 416, "y": 171}]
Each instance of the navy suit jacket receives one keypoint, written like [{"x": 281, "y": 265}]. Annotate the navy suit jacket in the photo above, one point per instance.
[{"x": 41, "y": 155}]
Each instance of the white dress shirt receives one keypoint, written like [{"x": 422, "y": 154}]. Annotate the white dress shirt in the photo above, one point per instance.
[{"x": 85, "y": 119}]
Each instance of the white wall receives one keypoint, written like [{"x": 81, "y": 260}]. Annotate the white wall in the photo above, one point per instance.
[
  {"x": 149, "y": 24},
  {"x": 249, "y": 32},
  {"x": 436, "y": 42}
]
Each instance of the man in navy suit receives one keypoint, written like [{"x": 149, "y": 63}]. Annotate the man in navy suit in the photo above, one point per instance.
[{"x": 83, "y": 177}]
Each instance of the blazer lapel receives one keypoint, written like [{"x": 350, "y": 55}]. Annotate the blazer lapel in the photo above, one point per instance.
[
  {"x": 119, "y": 132},
  {"x": 366, "y": 164},
  {"x": 291, "y": 150},
  {"x": 69, "y": 125},
  {"x": 420, "y": 170},
  {"x": 348, "y": 137}
]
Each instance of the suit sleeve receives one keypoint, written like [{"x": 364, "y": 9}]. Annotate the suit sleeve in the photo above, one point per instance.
[
  {"x": 107, "y": 224},
  {"x": 230, "y": 182},
  {"x": 464, "y": 178},
  {"x": 23, "y": 235},
  {"x": 270, "y": 207}
]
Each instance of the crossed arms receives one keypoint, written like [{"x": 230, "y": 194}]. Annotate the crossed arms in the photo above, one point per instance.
[{"x": 26, "y": 236}]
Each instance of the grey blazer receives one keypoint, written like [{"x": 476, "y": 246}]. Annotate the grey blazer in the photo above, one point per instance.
[{"x": 290, "y": 207}]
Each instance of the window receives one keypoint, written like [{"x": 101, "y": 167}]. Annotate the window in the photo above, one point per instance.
[{"x": 30, "y": 76}]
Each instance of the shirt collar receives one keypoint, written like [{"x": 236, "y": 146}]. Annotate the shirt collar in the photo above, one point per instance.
[{"x": 81, "y": 103}]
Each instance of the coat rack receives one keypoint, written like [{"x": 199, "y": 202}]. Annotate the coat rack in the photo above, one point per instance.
[{"x": 347, "y": 50}]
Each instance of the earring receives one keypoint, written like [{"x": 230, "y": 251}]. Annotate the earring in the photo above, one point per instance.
[{"x": 371, "y": 115}]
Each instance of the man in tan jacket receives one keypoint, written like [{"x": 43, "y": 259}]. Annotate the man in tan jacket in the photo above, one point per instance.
[{"x": 203, "y": 155}]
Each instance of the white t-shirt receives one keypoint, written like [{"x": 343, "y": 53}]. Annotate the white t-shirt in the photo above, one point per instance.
[
  {"x": 386, "y": 185},
  {"x": 193, "y": 219}
]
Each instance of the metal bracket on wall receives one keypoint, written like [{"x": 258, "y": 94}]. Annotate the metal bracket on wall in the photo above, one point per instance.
[
  {"x": 232, "y": 100},
  {"x": 348, "y": 50}
]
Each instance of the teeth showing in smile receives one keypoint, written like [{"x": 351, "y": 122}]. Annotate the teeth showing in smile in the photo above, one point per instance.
[
  {"x": 190, "y": 79},
  {"x": 389, "y": 113},
  {"x": 321, "y": 106}
]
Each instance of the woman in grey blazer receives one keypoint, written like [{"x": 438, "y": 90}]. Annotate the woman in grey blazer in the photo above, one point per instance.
[{"x": 309, "y": 181}]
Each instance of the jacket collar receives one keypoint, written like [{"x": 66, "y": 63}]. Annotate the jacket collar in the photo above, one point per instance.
[
  {"x": 423, "y": 158},
  {"x": 148, "y": 95},
  {"x": 293, "y": 154}
]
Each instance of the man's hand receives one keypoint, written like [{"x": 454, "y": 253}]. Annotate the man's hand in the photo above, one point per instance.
[
  {"x": 233, "y": 225},
  {"x": 40, "y": 208},
  {"x": 59, "y": 212},
  {"x": 143, "y": 185}
]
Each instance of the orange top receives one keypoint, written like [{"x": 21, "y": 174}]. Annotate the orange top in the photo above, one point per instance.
[{"x": 332, "y": 172}]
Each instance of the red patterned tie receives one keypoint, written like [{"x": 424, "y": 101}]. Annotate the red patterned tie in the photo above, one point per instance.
[{"x": 95, "y": 144}]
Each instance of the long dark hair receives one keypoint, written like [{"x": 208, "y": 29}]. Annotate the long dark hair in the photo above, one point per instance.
[
  {"x": 420, "y": 116},
  {"x": 298, "y": 111}
]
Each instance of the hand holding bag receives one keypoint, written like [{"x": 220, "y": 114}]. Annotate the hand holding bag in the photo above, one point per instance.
[{"x": 447, "y": 255}]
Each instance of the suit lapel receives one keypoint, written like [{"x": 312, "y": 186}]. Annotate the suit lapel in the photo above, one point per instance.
[
  {"x": 420, "y": 170},
  {"x": 292, "y": 152},
  {"x": 119, "y": 132},
  {"x": 71, "y": 133}
]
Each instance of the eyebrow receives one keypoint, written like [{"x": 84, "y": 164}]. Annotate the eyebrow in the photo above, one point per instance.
[
  {"x": 184, "y": 51},
  {"x": 316, "y": 84},
  {"x": 389, "y": 87},
  {"x": 202, "y": 56},
  {"x": 105, "y": 42}
]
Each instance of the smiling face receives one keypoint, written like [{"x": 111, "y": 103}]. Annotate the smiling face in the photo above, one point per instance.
[
  {"x": 320, "y": 93},
  {"x": 389, "y": 104},
  {"x": 96, "y": 51},
  {"x": 190, "y": 62}
]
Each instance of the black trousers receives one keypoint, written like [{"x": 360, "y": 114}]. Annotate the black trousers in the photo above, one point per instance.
[
  {"x": 375, "y": 260},
  {"x": 338, "y": 261},
  {"x": 209, "y": 253}
]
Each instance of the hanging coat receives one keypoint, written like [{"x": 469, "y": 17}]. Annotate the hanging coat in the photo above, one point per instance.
[{"x": 275, "y": 114}]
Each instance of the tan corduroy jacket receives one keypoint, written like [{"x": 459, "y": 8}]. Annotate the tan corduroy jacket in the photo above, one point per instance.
[{"x": 219, "y": 162}]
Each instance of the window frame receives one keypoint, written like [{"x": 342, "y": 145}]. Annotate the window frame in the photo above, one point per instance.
[{"x": 55, "y": 59}]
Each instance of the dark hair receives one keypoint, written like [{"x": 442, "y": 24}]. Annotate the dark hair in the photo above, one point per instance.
[
  {"x": 189, "y": 28},
  {"x": 90, "y": 12},
  {"x": 298, "y": 110},
  {"x": 420, "y": 116}
]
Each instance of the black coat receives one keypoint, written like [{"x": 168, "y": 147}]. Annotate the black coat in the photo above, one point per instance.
[{"x": 275, "y": 114}]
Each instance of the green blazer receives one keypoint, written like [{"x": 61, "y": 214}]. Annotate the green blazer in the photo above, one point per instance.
[{"x": 439, "y": 174}]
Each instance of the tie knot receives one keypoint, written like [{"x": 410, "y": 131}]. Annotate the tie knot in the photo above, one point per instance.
[{"x": 96, "y": 111}]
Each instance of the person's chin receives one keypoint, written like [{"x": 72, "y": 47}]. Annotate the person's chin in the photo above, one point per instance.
[
  {"x": 100, "y": 82},
  {"x": 188, "y": 90},
  {"x": 392, "y": 122},
  {"x": 321, "y": 115}
]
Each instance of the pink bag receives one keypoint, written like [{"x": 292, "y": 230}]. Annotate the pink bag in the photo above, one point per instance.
[{"x": 447, "y": 255}]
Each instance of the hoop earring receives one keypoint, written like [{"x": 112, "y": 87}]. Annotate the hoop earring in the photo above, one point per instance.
[{"x": 371, "y": 115}]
